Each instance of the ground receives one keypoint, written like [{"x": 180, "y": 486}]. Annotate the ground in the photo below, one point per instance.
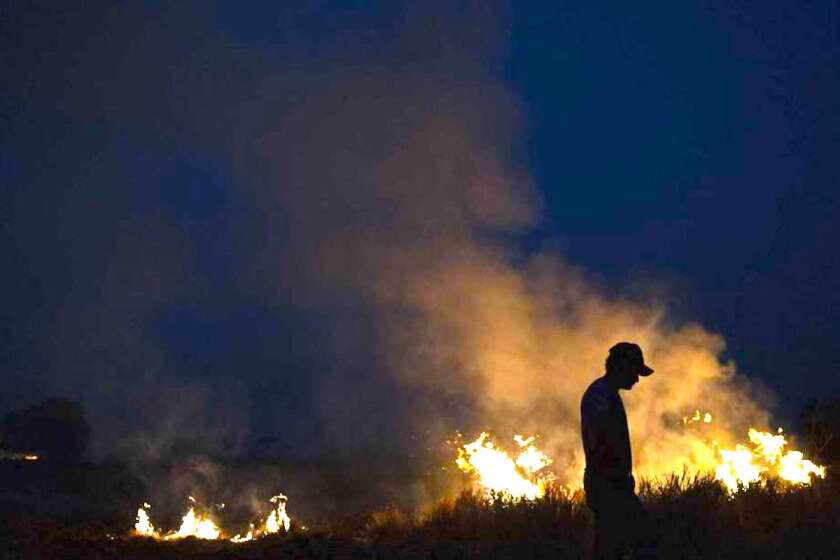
[{"x": 692, "y": 517}]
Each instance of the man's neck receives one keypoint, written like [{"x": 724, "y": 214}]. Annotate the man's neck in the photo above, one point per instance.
[{"x": 611, "y": 382}]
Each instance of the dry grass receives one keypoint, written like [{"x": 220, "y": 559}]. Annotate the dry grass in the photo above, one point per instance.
[{"x": 691, "y": 517}]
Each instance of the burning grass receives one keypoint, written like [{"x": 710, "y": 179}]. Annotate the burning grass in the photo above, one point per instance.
[
  {"x": 523, "y": 472},
  {"x": 202, "y": 526},
  {"x": 692, "y": 517}
]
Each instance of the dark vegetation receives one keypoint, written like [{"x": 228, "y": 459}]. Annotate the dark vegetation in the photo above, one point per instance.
[
  {"x": 691, "y": 518},
  {"x": 55, "y": 429},
  {"x": 72, "y": 509},
  {"x": 820, "y": 424}
]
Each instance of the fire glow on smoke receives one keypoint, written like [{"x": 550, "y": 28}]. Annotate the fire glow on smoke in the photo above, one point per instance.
[
  {"x": 523, "y": 473},
  {"x": 202, "y": 526}
]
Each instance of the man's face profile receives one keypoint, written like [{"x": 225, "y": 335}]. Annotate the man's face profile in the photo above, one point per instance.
[{"x": 627, "y": 374}]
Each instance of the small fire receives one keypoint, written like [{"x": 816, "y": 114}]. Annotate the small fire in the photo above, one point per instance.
[
  {"x": 697, "y": 417},
  {"x": 748, "y": 463},
  {"x": 277, "y": 519},
  {"x": 197, "y": 526},
  {"x": 203, "y": 527},
  {"x": 192, "y": 525},
  {"x": 745, "y": 466},
  {"x": 18, "y": 456},
  {"x": 499, "y": 473},
  {"x": 144, "y": 526}
]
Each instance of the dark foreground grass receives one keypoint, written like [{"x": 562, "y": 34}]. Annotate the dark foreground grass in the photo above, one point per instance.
[{"x": 690, "y": 517}]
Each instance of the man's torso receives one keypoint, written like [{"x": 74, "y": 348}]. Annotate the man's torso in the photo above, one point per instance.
[{"x": 606, "y": 438}]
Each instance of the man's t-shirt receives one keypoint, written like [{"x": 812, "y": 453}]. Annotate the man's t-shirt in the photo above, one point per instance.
[{"x": 606, "y": 439}]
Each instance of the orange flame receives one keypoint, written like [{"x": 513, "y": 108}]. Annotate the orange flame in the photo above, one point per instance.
[
  {"x": 203, "y": 527},
  {"x": 743, "y": 466},
  {"x": 522, "y": 476}
]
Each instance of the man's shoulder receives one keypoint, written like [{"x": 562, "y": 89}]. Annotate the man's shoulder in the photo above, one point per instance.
[{"x": 597, "y": 398}]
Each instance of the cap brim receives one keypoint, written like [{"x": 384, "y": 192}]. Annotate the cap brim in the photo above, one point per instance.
[{"x": 645, "y": 371}]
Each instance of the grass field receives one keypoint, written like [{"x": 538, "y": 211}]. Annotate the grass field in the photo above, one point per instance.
[{"x": 690, "y": 518}]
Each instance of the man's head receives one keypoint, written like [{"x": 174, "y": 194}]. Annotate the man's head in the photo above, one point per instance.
[{"x": 625, "y": 364}]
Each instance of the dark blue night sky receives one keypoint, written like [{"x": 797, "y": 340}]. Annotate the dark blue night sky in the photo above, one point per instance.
[
  {"x": 687, "y": 149},
  {"x": 704, "y": 141}
]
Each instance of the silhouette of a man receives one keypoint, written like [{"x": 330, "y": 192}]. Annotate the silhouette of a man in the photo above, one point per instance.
[{"x": 608, "y": 479}]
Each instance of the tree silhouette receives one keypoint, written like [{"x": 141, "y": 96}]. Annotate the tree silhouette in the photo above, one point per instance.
[
  {"x": 820, "y": 420},
  {"x": 55, "y": 429}
]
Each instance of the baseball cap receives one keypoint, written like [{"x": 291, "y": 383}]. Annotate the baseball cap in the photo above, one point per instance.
[{"x": 633, "y": 353}]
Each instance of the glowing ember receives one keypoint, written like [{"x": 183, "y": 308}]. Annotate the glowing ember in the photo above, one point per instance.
[
  {"x": 18, "y": 456},
  {"x": 697, "y": 417},
  {"x": 202, "y": 527},
  {"x": 498, "y": 473}
]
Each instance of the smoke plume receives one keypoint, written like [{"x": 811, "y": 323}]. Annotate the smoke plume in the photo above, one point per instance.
[
  {"x": 401, "y": 191},
  {"x": 372, "y": 194}
]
